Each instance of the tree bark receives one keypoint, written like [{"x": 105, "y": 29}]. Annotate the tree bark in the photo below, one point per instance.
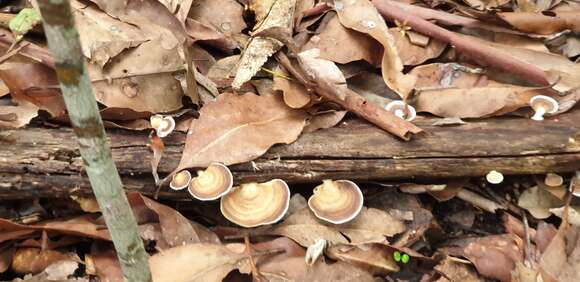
[
  {"x": 64, "y": 43},
  {"x": 45, "y": 162}
]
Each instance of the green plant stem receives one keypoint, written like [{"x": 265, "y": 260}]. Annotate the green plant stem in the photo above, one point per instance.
[{"x": 64, "y": 43}]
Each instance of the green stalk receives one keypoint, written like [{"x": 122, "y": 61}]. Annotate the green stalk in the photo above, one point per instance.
[{"x": 64, "y": 43}]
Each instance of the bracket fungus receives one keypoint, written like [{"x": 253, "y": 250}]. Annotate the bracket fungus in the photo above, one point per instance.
[
  {"x": 337, "y": 201},
  {"x": 180, "y": 180},
  {"x": 398, "y": 108},
  {"x": 212, "y": 183},
  {"x": 163, "y": 125},
  {"x": 553, "y": 180},
  {"x": 255, "y": 204},
  {"x": 543, "y": 105},
  {"x": 494, "y": 177}
]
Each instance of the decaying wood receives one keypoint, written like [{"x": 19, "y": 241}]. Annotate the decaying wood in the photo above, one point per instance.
[{"x": 45, "y": 162}]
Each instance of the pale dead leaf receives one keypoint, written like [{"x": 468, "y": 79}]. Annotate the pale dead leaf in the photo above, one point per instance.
[
  {"x": 195, "y": 262},
  {"x": 33, "y": 260},
  {"x": 323, "y": 71},
  {"x": 280, "y": 16},
  {"x": 333, "y": 38},
  {"x": 450, "y": 75},
  {"x": 227, "y": 129},
  {"x": 17, "y": 116},
  {"x": 495, "y": 256},
  {"x": 221, "y": 71},
  {"x": 474, "y": 102},
  {"x": 539, "y": 202},
  {"x": 295, "y": 269},
  {"x": 561, "y": 260},
  {"x": 456, "y": 271},
  {"x": 224, "y": 16},
  {"x": 61, "y": 270},
  {"x": 540, "y": 23},
  {"x": 573, "y": 214},
  {"x": 362, "y": 16},
  {"x": 371, "y": 225},
  {"x": 322, "y": 120}
]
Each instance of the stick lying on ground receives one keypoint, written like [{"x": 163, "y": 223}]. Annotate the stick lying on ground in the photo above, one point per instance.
[
  {"x": 485, "y": 55},
  {"x": 352, "y": 102}
]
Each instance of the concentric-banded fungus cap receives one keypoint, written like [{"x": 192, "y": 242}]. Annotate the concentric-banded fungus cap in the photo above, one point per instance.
[
  {"x": 542, "y": 105},
  {"x": 336, "y": 201},
  {"x": 553, "y": 180},
  {"x": 163, "y": 125},
  {"x": 255, "y": 204},
  {"x": 398, "y": 108},
  {"x": 494, "y": 177},
  {"x": 180, "y": 180},
  {"x": 212, "y": 183}
]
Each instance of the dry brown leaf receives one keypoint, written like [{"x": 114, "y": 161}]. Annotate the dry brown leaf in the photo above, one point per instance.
[
  {"x": 450, "y": 75},
  {"x": 542, "y": 23},
  {"x": 295, "y": 269},
  {"x": 561, "y": 260},
  {"x": 195, "y": 262},
  {"x": 17, "y": 116},
  {"x": 322, "y": 120},
  {"x": 412, "y": 54},
  {"x": 495, "y": 256},
  {"x": 221, "y": 71},
  {"x": 224, "y": 16},
  {"x": 376, "y": 258},
  {"x": 105, "y": 262},
  {"x": 474, "y": 102},
  {"x": 362, "y": 16},
  {"x": 295, "y": 94},
  {"x": 456, "y": 272},
  {"x": 209, "y": 35},
  {"x": 227, "y": 129},
  {"x": 34, "y": 260},
  {"x": 333, "y": 37},
  {"x": 175, "y": 228},
  {"x": 36, "y": 84},
  {"x": 104, "y": 37},
  {"x": 371, "y": 225},
  {"x": 280, "y": 16},
  {"x": 6, "y": 254},
  {"x": 323, "y": 71}
]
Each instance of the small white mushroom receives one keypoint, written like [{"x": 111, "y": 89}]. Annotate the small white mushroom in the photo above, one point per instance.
[
  {"x": 163, "y": 125},
  {"x": 180, "y": 180},
  {"x": 398, "y": 108},
  {"x": 553, "y": 180},
  {"x": 543, "y": 105},
  {"x": 494, "y": 177}
]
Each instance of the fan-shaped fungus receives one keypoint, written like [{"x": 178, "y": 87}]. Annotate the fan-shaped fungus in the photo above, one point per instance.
[
  {"x": 212, "y": 183},
  {"x": 336, "y": 201}
]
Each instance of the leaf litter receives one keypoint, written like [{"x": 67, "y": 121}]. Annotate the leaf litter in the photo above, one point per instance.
[{"x": 253, "y": 74}]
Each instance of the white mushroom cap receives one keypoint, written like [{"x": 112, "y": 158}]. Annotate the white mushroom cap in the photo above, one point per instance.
[
  {"x": 212, "y": 183},
  {"x": 494, "y": 177},
  {"x": 337, "y": 202},
  {"x": 397, "y": 107},
  {"x": 255, "y": 204},
  {"x": 180, "y": 180},
  {"x": 163, "y": 125},
  {"x": 543, "y": 104}
]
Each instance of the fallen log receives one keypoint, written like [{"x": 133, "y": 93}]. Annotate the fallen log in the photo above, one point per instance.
[{"x": 45, "y": 162}]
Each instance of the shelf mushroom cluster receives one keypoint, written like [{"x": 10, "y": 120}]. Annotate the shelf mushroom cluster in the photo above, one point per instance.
[{"x": 254, "y": 204}]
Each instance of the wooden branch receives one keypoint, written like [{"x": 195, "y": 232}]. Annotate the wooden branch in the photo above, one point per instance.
[
  {"x": 64, "y": 43},
  {"x": 483, "y": 54},
  {"x": 40, "y": 162}
]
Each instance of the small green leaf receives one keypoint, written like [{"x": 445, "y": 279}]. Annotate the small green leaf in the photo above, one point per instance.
[
  {"x": 23, "y": 22},
  {"x": 397, "y": 256},
  {"x": 405, "y": 258}
]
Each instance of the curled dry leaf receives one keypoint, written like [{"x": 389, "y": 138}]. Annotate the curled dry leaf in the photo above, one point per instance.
[
  {"x": 474, "y": 102},
  {"x": 221, "y": 71},
  {"x": 371, "y": 225},
  {"x": 333, "y": 37},
  {"x": 280, "y": 15},
  {"x": 374, "y": 257},
  {"x": 325, "y": 119},
  {"x": 412, "y": 54},
  {"x": 561, "y": 259},
  {"x": 226, "y": 129},
  {"x": 362, "y": 16},
  {"x": 323, "y": 71},
  {"x": 17, "y": 116},
  {"x": 495, "y": 256},
  {"x": 548, "y": 22},
  {"x": 195, "y": 262},
  {"x": 295, "y": 94}
]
